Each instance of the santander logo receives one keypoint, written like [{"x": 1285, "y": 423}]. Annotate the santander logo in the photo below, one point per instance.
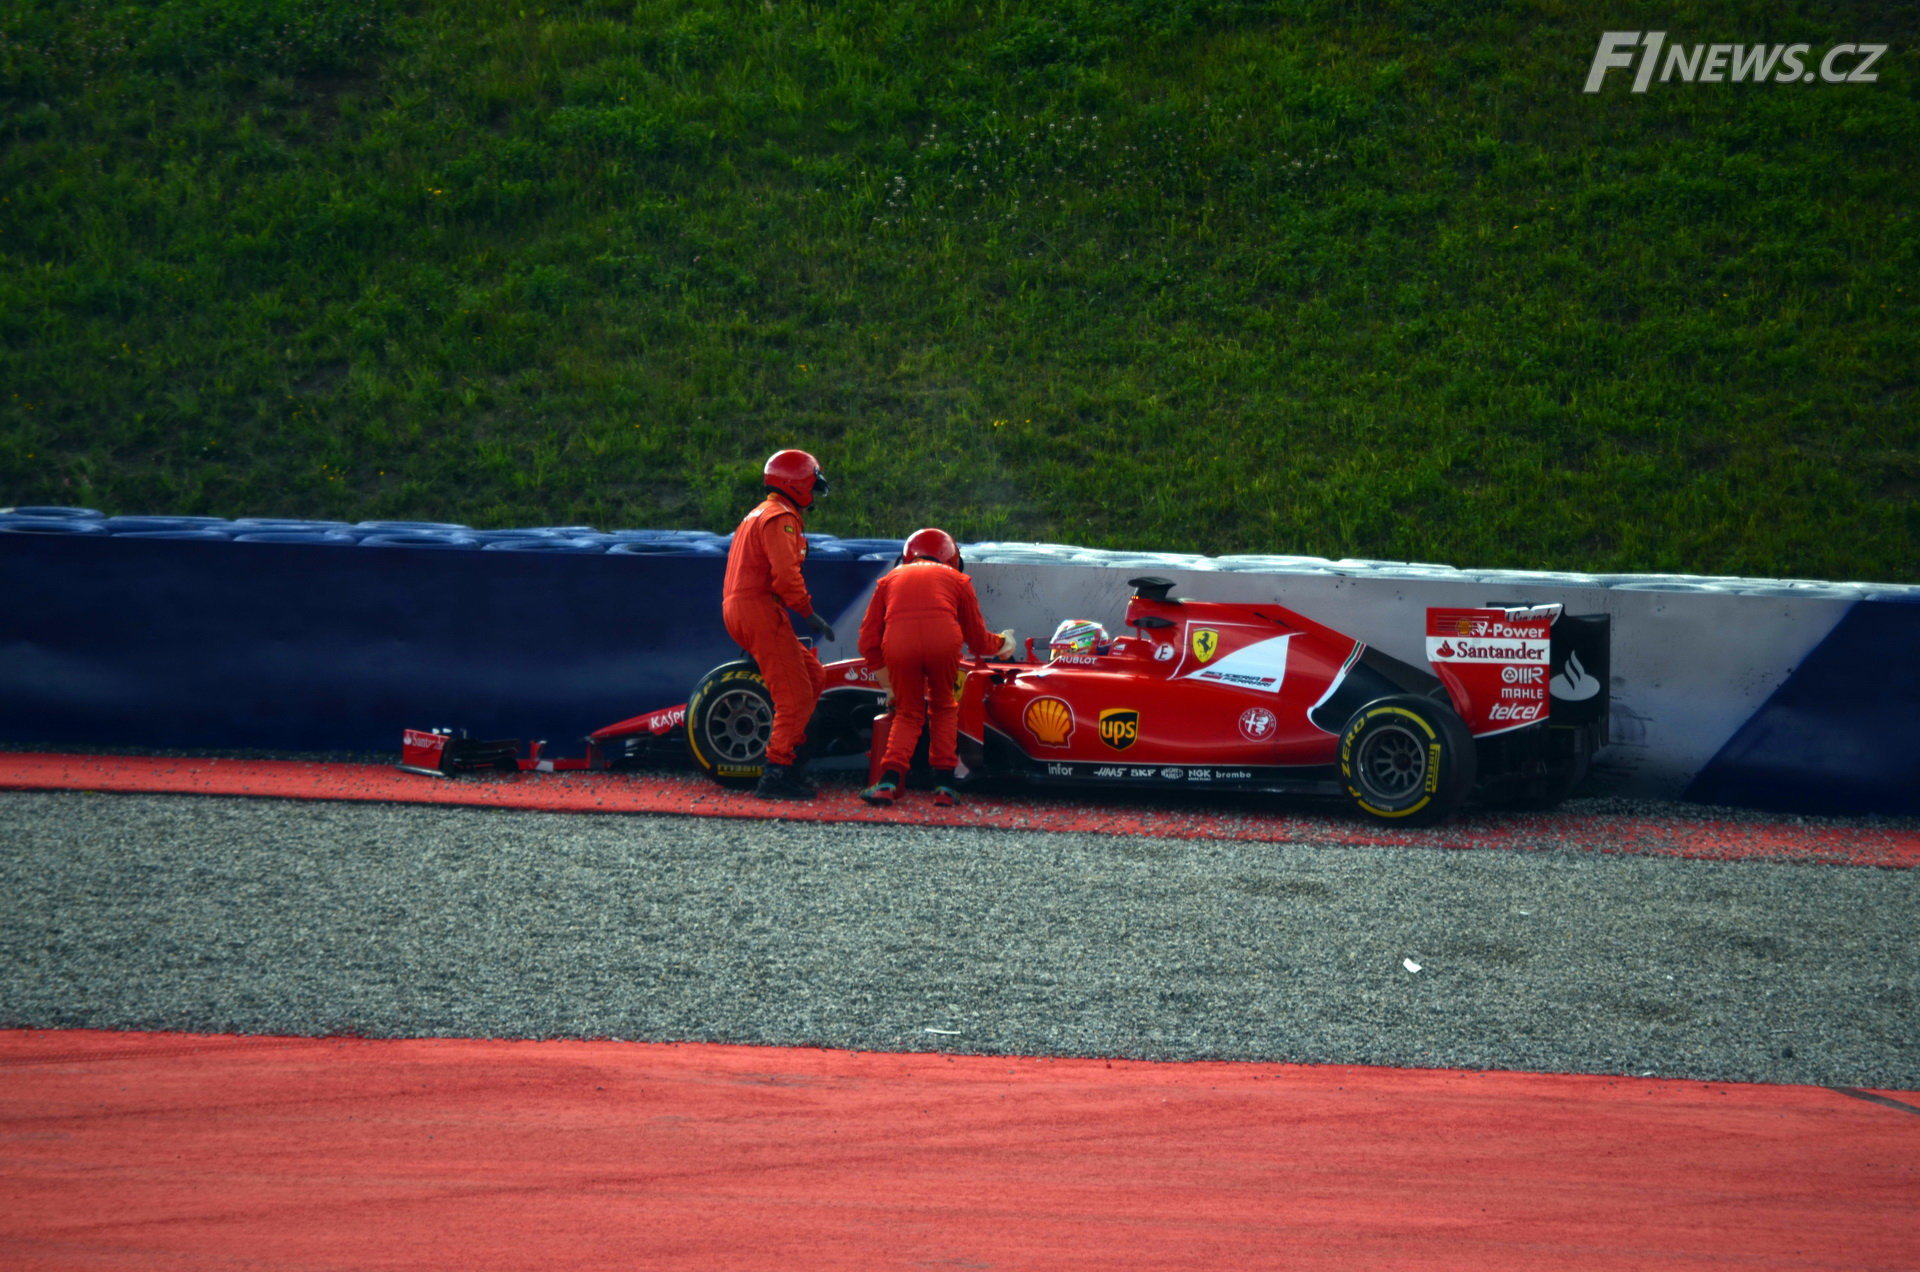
[{"x": 1573, "y": 684}]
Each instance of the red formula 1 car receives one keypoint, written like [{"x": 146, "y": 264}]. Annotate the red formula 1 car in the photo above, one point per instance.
[{"x": 1203, "y": 695}]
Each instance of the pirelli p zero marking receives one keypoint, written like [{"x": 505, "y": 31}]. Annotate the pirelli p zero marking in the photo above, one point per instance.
[
  {"x": 1406, "y": 760},
  {"x": 729, "y": 722}
]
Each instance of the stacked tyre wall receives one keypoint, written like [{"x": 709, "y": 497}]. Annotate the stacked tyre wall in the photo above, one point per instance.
[{"x": 264, "y": 633}]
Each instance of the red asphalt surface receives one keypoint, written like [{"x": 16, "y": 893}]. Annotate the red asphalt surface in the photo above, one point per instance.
[
  {"x": 690, "y": 794},
  {"x": 162, "y": 1151}
]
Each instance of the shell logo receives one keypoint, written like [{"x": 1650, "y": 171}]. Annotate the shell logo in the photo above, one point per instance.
[{"x": 1049, "y": 720}]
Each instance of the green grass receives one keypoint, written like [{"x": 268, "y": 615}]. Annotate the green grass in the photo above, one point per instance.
[{"x": 1202, "y": 276}]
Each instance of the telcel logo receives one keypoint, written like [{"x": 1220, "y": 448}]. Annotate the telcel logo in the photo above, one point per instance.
[{"x": 1728, "y": 63}]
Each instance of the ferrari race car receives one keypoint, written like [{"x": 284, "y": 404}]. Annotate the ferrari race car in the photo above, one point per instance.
[{"x": 1198, "y": 696}]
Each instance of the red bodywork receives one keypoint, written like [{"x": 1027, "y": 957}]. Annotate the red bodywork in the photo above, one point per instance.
[{"x": 1252, "y": 695}]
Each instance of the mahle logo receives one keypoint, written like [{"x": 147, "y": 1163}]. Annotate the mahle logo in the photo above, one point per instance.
[{"x": 1648, "y": 53}]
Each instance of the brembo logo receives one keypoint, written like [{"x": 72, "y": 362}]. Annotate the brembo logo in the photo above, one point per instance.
[{"x": 1648, "y": 54}]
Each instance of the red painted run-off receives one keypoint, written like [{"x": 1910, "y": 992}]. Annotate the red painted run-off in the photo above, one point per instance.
[
  {"x": 684, "y": 793},
  {"x": 143, "y": 1151},
  {"x": 126, "y": 1150}
]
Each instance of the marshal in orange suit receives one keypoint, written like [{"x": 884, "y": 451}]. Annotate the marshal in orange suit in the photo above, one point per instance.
[
  {"x": 920, "y": 615},
  {"x": 763, "y": 582}
]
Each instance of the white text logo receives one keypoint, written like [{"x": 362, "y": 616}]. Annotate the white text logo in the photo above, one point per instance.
[{"x": 1648, "y": 54}]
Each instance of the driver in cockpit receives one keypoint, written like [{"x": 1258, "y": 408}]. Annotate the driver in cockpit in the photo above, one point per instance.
[{"x": 1080, "y": 637}]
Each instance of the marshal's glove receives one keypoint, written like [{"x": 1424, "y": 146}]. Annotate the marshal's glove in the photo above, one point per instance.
[{"x": 820, "y": 626}]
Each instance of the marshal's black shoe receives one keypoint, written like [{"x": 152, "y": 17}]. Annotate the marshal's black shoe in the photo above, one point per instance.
[{"x": 783, "y": 781}]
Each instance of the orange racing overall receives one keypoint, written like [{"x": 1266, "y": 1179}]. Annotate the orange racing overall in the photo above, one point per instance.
[
  {"x": 763, "y": 582},
  {"x": 920, "y": 615}
]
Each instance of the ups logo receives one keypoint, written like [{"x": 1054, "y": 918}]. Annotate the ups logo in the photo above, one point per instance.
[{"x": 1119, "y": 727}]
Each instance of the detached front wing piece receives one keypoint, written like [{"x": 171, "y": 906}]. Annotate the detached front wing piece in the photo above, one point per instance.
[{"x": 443, "y": 752}]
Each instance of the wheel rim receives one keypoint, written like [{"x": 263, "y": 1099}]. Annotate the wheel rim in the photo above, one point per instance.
[
  {"x": 1392, "y": 764},
  {"x": 737, "y": 726}
]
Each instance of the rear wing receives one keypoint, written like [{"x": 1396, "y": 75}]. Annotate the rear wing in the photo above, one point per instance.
[{"x": 1508, "y": 667}]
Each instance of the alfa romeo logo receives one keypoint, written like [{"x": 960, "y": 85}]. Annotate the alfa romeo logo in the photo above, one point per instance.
[{"x": 1257, "y": 724}]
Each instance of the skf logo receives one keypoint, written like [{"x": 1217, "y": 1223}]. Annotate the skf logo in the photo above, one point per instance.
[
  {"x": 1050, "y": 721},
  {"x": 1119, "y": 727},
  {"x": 1205, "y": 643}
]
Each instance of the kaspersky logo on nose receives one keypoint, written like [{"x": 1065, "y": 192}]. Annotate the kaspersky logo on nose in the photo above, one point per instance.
[{"x": 1649, "y": 53}]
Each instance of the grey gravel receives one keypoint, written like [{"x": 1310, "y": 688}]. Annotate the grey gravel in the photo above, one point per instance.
[{"x": 281, "y": 917}]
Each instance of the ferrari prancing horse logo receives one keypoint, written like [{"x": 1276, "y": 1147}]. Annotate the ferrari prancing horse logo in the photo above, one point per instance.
[{"x": 1205, "y": 643}]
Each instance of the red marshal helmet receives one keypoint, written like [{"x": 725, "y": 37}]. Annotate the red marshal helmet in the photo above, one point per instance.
[
  {"x": 797, "y": 475},
  {"x": 932, "y": 544}
]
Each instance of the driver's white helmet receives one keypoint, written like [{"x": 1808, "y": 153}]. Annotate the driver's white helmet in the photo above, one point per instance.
[{"x": 1076, "y": 636}]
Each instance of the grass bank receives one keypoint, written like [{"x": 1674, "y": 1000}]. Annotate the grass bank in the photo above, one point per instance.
[{"x": 1201, "y": 275}]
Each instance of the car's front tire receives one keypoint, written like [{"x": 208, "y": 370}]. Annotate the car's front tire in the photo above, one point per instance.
[
  {"x": 1407, "y": 761},
  {"x": 729, "y": 721}
]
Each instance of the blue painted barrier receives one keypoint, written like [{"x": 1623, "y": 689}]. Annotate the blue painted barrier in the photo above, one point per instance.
[
  {"x": 152, "y": 632},
  {"x": 1839, "y": 735},
  {"x": 111, "y": 640}
]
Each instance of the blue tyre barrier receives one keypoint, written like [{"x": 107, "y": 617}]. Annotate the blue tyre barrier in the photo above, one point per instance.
[
  {"x": 206, "y": 534},
  {"x": 298, "y": 536},
  {"x": 508, "y": 536},
  {"x": 556, "y": 544},
  {"x": 50, "y": 525},
  {"x": 644, "y": 536},
  {"x": 414, "y": 527},
  {"x": 146, "y": 525},
  {"x": 421, "y": 539},
  {"x": 666, "y": 547},
  {"x": 293, "y": 525},
  {"x": 50, "y": 510},
  {"x": 861, "y": 547}
]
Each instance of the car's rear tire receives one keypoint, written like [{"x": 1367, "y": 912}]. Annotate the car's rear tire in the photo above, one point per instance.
[
  {"x": 729, "y": 721},
  {"x": 1407, "y": 761}
]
